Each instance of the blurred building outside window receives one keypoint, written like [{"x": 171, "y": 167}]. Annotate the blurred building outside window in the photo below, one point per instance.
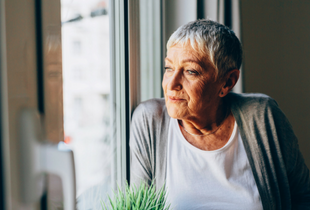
[
  {"x": 77, "y": 73},
  {"x": 86, "y": 89},
  {"x": 76, "y": 47}
]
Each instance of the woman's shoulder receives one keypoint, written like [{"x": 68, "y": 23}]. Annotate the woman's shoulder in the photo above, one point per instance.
[
  {"x": 152, "y": 109},
  {"x": 251, "y": 101},
  {"x": 151, "y": 105},
  {"x": 249, "y": 96}
]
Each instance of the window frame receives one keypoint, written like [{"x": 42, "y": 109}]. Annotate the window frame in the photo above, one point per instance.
[
  {"x": 4, "y": 144},
  {"x": 126, "y": 57},
  {"x": 119, "y": 92}
]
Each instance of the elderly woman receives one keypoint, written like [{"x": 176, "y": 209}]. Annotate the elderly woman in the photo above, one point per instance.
[{"x": 214, "y": 149}]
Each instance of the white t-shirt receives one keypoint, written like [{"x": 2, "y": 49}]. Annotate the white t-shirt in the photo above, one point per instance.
[{"x": 220, "y": 179}]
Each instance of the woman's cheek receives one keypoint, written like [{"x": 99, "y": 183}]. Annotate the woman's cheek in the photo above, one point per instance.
[
  {"x": 164, "y": 83},
  {"x": 198, "y": 90}
]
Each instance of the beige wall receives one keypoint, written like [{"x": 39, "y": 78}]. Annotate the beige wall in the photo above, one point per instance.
[
  {"x": 18, "y": 88},
  {"x": 276, "y": 41}
]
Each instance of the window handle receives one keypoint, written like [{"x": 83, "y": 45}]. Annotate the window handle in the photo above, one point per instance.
[{"x": 37, "y": 158}]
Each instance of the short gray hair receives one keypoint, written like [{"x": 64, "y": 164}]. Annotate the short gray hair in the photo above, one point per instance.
[{"x": 214, "y": 39}]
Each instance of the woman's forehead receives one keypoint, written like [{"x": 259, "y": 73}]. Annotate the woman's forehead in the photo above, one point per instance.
[
  {"x": 184, "y": 53},
  {"x": 180, "y": 51}
]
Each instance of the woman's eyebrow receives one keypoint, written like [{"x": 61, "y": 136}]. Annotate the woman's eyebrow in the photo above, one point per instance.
[
  {"x": 195, "y": 61},
  {"x": 187, "y": 61},
  {"x": 191, "y": 61}
]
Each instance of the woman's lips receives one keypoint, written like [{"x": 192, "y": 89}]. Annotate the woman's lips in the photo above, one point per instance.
[{"x": 175, "y": 99}]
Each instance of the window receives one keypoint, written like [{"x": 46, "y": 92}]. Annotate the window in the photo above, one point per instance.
[
  {"x": 112, "y": 54},
  {"x": 97, "y": 74},
  {"x": 77, "y": 74},
  {"x": 76, "y": 47},
  {"x": 86, "y": 90}
]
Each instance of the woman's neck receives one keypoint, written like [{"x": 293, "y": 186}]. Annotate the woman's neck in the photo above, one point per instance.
[
  {"x": 210, "y": 140},
  {"x": 207, "y": 122}
]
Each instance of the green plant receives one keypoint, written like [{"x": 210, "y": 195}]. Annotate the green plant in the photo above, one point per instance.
[{"x": 143, "y": 198}]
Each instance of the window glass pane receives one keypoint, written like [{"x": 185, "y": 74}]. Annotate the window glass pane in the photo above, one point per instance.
[
  {"x": 86, "y": 90},
  {"x": 150, "y": 49}
]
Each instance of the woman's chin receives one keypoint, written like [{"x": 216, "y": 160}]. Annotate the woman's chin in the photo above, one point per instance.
[{"x": 175, "y": 113}]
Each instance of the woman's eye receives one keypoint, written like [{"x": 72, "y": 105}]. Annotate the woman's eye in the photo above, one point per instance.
[
  {"x": 192, "y": 72},
  {"x": 168, "y": 69}
]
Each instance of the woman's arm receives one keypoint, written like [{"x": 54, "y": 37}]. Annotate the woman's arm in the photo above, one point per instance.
[
  {"x": 300, "y": 184},
  {"x": 140, "y": 157},
  {"x": 148, "y": 143},
  {"x": 297, "y": 171}
]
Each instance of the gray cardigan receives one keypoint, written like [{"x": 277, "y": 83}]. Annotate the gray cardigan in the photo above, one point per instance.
[{"x": 281, "y": 176}]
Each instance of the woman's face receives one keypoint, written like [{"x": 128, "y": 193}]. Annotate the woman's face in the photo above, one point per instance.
[{"x": 190, "y": 87}]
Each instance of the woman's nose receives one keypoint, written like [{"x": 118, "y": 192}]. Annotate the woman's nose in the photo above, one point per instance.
[{"x": 175, "y": 82}]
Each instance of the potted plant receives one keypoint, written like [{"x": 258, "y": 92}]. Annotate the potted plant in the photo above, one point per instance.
[{"x": 143, "y": 198}]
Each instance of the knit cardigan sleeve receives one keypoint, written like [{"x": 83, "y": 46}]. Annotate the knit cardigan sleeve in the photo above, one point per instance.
[
  {"x": 280, "y": 172},
  {"x": 148, "y": 142},
  {"x": 296, "y": 169}
]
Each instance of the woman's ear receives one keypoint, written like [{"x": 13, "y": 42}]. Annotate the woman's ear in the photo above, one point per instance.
[{"x": 230, "y": 81}]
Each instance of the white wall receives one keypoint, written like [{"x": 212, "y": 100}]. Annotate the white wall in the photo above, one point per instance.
[{"x": 18, "y": 89}]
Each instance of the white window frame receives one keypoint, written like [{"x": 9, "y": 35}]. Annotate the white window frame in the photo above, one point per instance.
[
  {"x": 145, "y": 53},
  {"x": 118, "y": 93},
  {"x": 151, "y": 47}
]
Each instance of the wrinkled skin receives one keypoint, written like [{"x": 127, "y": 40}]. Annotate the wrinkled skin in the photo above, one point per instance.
[{"x": 194, "y": 94}]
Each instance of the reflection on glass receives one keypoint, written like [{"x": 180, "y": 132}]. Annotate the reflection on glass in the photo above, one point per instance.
[{"x": 86, "y": 86}]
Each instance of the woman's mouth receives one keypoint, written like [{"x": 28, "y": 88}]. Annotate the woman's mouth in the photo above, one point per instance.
[{"x": 175, "y": 99}]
